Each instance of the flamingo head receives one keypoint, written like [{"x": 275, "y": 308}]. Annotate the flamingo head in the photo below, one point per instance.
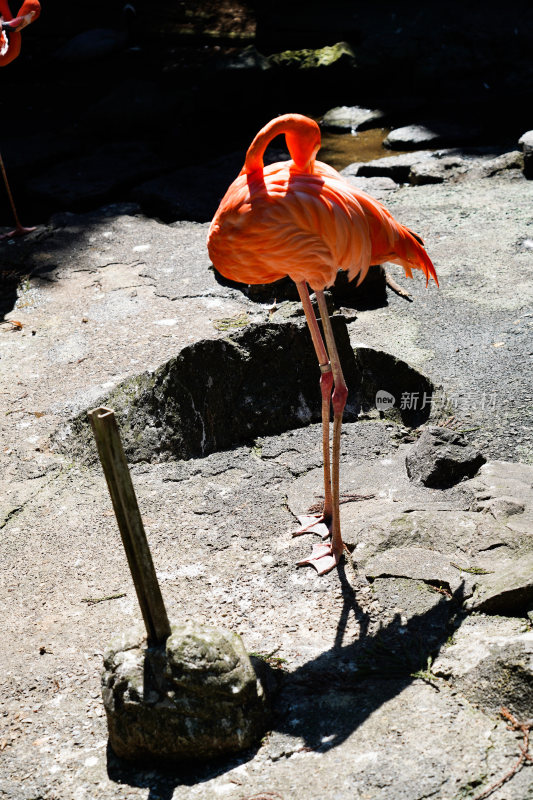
[
  {"x": 28, "y": 12},
  {"x": 303, "y": 142}
]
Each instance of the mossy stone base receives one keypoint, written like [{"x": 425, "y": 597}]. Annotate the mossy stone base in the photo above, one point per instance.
[{"x": 196, "y": 697}]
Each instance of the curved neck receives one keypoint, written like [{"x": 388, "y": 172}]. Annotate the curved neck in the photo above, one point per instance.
[{"x": 301, "y": 134}]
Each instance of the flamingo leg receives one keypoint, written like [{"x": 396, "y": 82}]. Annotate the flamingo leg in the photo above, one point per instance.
[
  {"x": 19, "y": 230},
  {"x": 319, "y": 523},
  {"x": 326, "y": 556}
]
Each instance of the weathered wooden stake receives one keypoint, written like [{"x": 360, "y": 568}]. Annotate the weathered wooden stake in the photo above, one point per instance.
[{"x": 130, "y": 524}]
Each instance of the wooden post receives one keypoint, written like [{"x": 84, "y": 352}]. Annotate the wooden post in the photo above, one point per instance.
[{"x": 130, "y": 524}]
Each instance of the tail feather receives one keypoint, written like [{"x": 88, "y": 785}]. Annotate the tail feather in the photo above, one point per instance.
[
  {"x": 392, "y": 241},
  {"x": 408, "y": 251},
  {"x": 416, "y": 256}
]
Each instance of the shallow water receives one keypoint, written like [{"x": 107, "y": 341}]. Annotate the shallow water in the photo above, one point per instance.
[{"x": 341, "y": 149}]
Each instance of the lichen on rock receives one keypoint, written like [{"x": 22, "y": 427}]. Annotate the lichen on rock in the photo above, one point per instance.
[{"x": 196, "y": 697}]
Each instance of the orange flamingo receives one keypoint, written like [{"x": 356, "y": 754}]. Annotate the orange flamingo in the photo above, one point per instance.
[
  {"x": 302, "y": 219},
  {"x": 10, "y": 42}
]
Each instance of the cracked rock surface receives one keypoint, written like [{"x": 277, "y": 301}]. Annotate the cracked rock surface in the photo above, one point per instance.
[{"x": 381, "y": 665}]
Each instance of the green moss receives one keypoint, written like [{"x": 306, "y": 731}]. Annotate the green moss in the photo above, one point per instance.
[
  {"x": 313, "y": 59},
  {"x": 227, "y": 323}
]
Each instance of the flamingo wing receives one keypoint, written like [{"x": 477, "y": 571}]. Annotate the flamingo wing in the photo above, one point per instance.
[{"x": 283, "y": 221}]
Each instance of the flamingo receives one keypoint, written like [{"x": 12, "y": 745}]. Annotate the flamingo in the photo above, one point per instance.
[
  {"x": 10, "y": 42},
  {"x": 302, "y": 219}
]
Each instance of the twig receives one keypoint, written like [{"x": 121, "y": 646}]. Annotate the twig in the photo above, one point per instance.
[
  {"x": 270, "y": 658},
  {"x": 355, "y": 498},
  {"x": 264, "y": 796},
  {"x": 440, "y": 589},
  {"x": 92, "y": 601},
  {"x": 472, "y": 570},
  {"x": 514, "y": 725},
  {"x": 448, "y": 422},
  {"x": 344, "y": 498}
]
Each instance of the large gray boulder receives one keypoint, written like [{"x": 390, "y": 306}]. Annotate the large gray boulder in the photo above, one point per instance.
[
  {"x": 490, "y": 661},
  {"x": 196, "y": 697},
  {"x": 397, "y": 168},
  {"x": 456, "y": 166},
  {"x": 441, "y": 458},
  {"x": 348, "y": 119},
  {"x": 507, "y": 591},
  {"x": 412, "y": 137}
]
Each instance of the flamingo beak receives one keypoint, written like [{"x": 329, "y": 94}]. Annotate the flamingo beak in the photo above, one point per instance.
[{"x": 19, "y": 23}]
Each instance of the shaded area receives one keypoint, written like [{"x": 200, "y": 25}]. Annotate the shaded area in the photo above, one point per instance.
[
  {"x": 371, "y": 293},
  {"x": 382, "y": 372},
  {"x": 262, "y": 380}
]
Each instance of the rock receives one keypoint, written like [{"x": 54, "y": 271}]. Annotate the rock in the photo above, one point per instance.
[
  {"x": 371, "y": 293},
  {"x": 382, "y": 372},
  {"x": 197, "y": 697},
  {"x": 292, "y": 309},
  {"x": 82, "y": 182},
  {"x": 488, "y": 168},
  {"x": 337, "y": 55},
  {"x": 427, "y": 166},
  {"x": 247, "y": 59},
  {"x": 348, "y": 119},
  {"x": 132, "y": 105},
  {"x": 411, "y": 612},
  {"x": 92, "y": 45},
  {"x": 526, "y": 142},
  {"x": 437, "y": 170},
  {"x": 395, "y": 167},
  {"x": 504, "y": 507},
  {"x": 507, "y": 591},
  {"x": 439, "y": 166},
  {"x": 377, "y": 187},
  {"x": 490, "y": 661},
  {"x": 411, "y": 137},
  {"x": 416, "y": 562},
  {"x": 218, "y": 392},
  {"x": 505, "y": 491},
  {"x": 28, "y": 153},
  {"x": 442, "y": 458},
  {"x": 190, "y": 193},
  {"x": 194, "y": 192}
]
